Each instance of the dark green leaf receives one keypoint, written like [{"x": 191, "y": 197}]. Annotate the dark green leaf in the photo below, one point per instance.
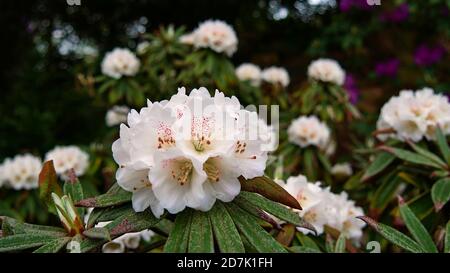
[
  {"x": 427, "y": 154},
  {"x": 286, "y": 235},
  {"x": 106, "y": 200},
  {"x": 225, "y": 232},
  {"x": 72, "y": 187},
  {"x": 200, "y": 235},
  {"x": 54, "y": 246},
  {"x": 340, "y": 244},
  {"x": 386, "y": 191},
  {"x": 411, "y": 157},
  {"x": 447, "y": 238},
  {"x": 393, "y": 236},
  {"x": 98, "y": 233},
  {"x": 381, "y": 161},
  {"x": 443, "y": 145},
  {"x": 306, "y": 241},
  {"x": 179, "y": 237},
  {"x": 23, "y": 241},
  {"x": 256, "y": 235},
  {"x": 440, "y": 193},
  {"x": 303, "y": 249}
]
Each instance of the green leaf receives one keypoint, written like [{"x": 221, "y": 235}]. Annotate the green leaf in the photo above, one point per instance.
[
  {"x": 410, "y": 157},
  {"x": 48, "y": 184},
  {"x": 286, "y": 235},
  {"x": 12, "y": 226},
  {"x": 256, "y": 235},
  {"x": 447, "y": 238},
  {"x": 275, "y": 209},
  {"x": 23, "y": 241},
  {"x": 269, "y": 189},
  {"x": 259, "y": 216},
  {"x": 106, "y": 200},
  {"x": 306, "y": 241},
  {"x": 382, "y": 160},
  {"x": 178, "y": 238},
  {"x": 309, "y": 161},
  {"x": 54, "y": 246},
  {"x": 340, "y": 244},
  {"x": 415, "y": 227},
  {"x": 72, "y": 187},
  {"x": 427, "y": 154},
  {"x": 200, "y": 235},
  {"x": 386, "y": 191},
  {"x": 303, "y": 249},
  {"x": 393, "y": 236},
  {"x": 443, "y": 145},
  {"x": 225, "y": 232},
  {"x": 440, "y": 193}
]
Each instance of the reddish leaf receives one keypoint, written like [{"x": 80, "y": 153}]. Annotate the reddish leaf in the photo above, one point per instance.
[{"x": 48, "y": 183}]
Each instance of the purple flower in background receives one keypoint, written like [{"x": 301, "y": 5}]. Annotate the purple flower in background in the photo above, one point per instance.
[
  {"x": 387, "y": 68},
  {"x": 428, "y": 55},
  {"x": 346, "y": 5},
  {"x": 352, "y": 89},
  {"x": 397, "y": 15}
]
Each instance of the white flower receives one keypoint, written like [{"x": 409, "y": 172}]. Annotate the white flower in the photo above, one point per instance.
[
  {"x": 268, "y": 136},
  {"x": 120, "y": 62},
  {"x": 343, "y": 169},
  {"x": 305, "y": 131},
  {"x": 414, "y": 115},
  {"x": 326, "y": 70},
  {"x": 276, "y": 75},
  {"x": 68, "y": 157},
  {"x": 188, "y": 152},
  {"x": 321, "y": 207},
  {"x": 214, "y": 34},
  {"x": 116, "y": 115},
  {"x": 21, "y": 172},
  {"x": 249, "y": 72}
]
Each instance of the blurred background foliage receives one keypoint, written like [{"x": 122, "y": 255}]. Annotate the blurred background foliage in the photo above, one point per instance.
[{"x": 46, "y": 44}]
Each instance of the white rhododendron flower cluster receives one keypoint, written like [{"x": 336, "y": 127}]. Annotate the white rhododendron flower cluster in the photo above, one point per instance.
[
  {"x": 66, "y": 158},
  {"x": 309, "y": 130},
  {"x": 249, "y": 72},
  {"x": 276, "y": 75},
  {"x": 116, "y": 115},
  {"x": 414, "y": 115},
  {"x": 21, "y": 172},
  {"x": 326, "y": 70},
  {"x": 120, "y": 62},
  {"x": 214, "y": 34},
  {"x": 342, "y": 169},
  {"x": 321, "y": 207},
  {"x": 188, "y": 152}
]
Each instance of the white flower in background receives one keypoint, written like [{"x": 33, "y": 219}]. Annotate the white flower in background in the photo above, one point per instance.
[
  {"x": 323, "y": 208},
  {"x": 342, "y": 170},
  {"x": 216, "y": 35},
  {"x": 276, "y": 75},
  {"x": 187, "y": 38},
  {"x": 414, "y": 115},
  {"x": 268, "y": 136},
  {"x": 326, "y": 70},
  {"x": 120, "y": 62},
  {"x": 249, "y": 72},
  {"x": 305, "y": 131},
  {"x": 142, "y": 47},
  {"x": 188, "y": 152},
  {"x": 21, "y": 172},
  {"x": 68, "y": 157},
  {"x": 116, "y": 115}
]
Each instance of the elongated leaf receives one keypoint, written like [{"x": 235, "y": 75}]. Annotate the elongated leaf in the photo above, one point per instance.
[
  {"x": 225, "y": 232},
  {"x": 164, "y": 227},
  {"x": 200, "y": 235},
  {"x": 303, "y": 249},
  {"x": 440, "y": 193},
  {"x": 12, "y": 226},
  {"x": 23, "y": 241},
  {"x": 309, "y": 161},
  {"x": 447, "y": 238},
  {"x": 415, "y": 227},
  {"x": 382, "y": 160},
  {"x": 443, "y": 145},
  {"x": 275, "y": 209},
  {"x": 48, "y": 183},
  {"x": 329, "y": 243},
  {"x": 256, "y": 236},
  {"x": 72, "y": 187},
  {"x": 427, "y": 154},
  {"x": 411, "y": 157},
  {"x": 269, "y": 189},
  {"x": 258, "y": 214},
  {"x": 106, "y": 200},
  {"x": 54, "y": 246},
  {"x": 114, "y": 212},
  {"x": 179, "y": 237},
  {"x": 393, "y": 236},
  {"x": 386, "y": 191},
  {"x": 340, "y": 244}
]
